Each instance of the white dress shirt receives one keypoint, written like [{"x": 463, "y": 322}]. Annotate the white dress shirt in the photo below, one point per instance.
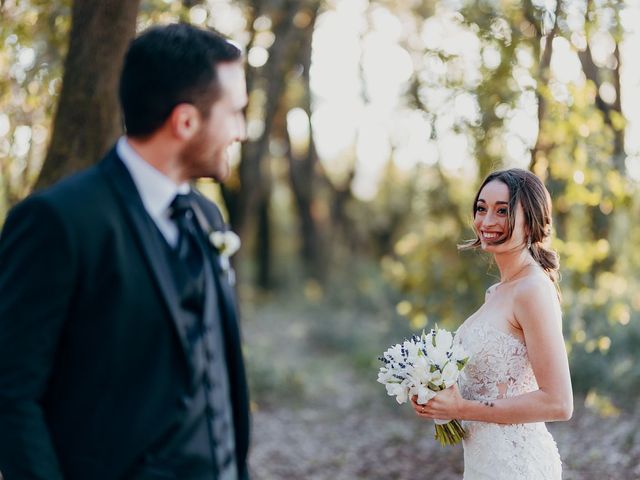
[{"x": 156, "y": 190}]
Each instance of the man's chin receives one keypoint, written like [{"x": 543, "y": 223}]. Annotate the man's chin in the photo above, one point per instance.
[
  {"x": 219, "y": 175},
  {"x": 222, "y": 174},
  {"x": 221, "y": 169}
]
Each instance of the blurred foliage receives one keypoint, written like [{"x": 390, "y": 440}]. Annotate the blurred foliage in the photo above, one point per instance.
[
  {"x": 34, "y": 43},
  {"x": 33, "y": 37},
  {"x": 398, "y": 248}
]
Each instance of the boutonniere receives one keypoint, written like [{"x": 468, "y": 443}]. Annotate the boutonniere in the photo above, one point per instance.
[{"x": 227, "y": 243}]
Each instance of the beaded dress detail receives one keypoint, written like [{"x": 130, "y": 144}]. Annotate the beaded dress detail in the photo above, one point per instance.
[{"x": 499, "y": 367}]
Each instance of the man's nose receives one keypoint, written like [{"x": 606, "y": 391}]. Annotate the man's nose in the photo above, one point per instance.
[{"x": 241, "y": 134}]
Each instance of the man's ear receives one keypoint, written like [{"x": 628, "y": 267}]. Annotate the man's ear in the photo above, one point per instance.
[{"x": 185, "y": 121}]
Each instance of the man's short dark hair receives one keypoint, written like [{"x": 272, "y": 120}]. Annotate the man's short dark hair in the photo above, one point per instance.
[{"x": 168, "y": 65}]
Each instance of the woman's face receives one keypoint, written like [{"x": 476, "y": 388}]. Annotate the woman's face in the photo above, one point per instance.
[{"x": 491, "y": 221}]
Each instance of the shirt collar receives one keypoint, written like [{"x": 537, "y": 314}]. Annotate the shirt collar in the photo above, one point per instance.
[{"x": 156, "y": 190}]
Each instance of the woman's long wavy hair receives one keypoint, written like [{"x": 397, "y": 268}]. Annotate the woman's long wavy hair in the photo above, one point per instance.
[{"x": 527, "y": 189}]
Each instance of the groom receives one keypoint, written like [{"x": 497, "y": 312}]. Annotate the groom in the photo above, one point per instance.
[{"x": 119, "y": 344}]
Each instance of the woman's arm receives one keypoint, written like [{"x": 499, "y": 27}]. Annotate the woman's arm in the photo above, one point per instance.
[{"x": 537, "y": 311}]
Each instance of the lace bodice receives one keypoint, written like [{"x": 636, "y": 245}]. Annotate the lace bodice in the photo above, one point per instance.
[{"x": 499, "y": 367}]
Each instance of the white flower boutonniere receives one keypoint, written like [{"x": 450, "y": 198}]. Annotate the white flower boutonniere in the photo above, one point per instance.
[{"x": 227, "y": 243}]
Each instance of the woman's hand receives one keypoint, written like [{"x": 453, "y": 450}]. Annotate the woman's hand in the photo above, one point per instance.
[{"x": 446, "y": 405}]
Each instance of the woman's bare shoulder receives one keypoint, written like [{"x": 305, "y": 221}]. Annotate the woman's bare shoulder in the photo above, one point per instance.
[
  {"x": 535, "y": 293},
  {"x": 536, "y": 285}
]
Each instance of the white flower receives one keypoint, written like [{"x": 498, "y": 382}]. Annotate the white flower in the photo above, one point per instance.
[
  {"x": 450, "y": 374},
  {"x": 399, "y": 391},
  {"x": 420, "y": 372},
  {"x": 436, "y": 378},
  {"x": 383, "y": 375},
  {"x": 437, "y": 344},
  {"x": 227, "y": 243},
  {"x": 394, "y": 353},
  {"x": 424, "y": 394},
  {"x": 458, "y": 353},
  {"x": 437, "y": 354},
  {"x": 444, "y": 339},
  {"x": 412, "y": 351}
]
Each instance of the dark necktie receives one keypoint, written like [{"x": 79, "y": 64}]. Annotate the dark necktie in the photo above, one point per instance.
[{"x": 188, "y": 249}]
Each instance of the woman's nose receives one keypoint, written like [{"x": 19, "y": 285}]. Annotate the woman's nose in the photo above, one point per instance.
[{"x": 489, "y": 220}]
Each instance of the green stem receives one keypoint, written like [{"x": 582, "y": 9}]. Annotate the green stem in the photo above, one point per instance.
[{"x": 450, "y": 433}]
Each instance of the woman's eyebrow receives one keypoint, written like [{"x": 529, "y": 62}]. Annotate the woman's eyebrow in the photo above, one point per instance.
[{"x": 497, "y": 203}]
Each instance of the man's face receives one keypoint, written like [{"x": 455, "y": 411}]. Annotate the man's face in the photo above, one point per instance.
[{"x": 206, "y": 154}]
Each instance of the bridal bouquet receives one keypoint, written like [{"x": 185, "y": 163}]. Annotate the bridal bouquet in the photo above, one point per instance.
[{"x": 423, "y": 366}]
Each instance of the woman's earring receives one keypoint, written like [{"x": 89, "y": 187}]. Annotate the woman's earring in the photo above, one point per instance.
[{"x": 529, "y": 243}]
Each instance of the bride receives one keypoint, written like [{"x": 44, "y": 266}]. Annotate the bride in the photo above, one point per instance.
[{"x": 517, "y": 376}]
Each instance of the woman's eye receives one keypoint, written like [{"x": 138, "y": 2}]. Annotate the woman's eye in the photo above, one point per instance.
[
  {"x": 502, "y": 211},
  {"x": 480, "y": 209}
]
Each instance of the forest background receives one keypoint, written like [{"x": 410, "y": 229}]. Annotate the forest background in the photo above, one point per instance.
[{"x": 371, "y": 123}]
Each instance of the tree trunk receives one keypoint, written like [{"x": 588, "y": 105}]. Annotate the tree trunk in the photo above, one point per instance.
[
  {"x": 303, "y": 171},
  {"x": 242, "y": 203},
  {"x": 263, "y": 246},
  {"x": 88, "y": 120},
  {"x": 541, "y": 147},
  {"x": 618, "y": 149},
  {"x": 251, "y": 200},
  {"x": 601, "y": 221}
]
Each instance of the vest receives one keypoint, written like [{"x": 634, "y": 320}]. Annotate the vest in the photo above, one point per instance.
[{"x": 201, "y": 444}]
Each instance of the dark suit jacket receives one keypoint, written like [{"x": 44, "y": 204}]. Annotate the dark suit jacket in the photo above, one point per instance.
[{"x": 94, "y": 366}]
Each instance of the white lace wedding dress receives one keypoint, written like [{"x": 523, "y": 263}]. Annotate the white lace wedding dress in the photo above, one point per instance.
[{"x": 499, "y": 368}]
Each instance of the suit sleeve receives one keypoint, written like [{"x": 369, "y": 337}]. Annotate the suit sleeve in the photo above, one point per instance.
[{"x": 36, "y": 282}]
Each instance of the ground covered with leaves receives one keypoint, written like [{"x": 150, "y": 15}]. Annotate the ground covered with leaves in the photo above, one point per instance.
[{"x": 319, "y": 414}]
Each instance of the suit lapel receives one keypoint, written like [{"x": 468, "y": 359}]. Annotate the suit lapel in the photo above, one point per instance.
[
  {"x": 150, "y": 242},
  {"x": 223, "y": 287},
  {"x": 222, "y": 290}
]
